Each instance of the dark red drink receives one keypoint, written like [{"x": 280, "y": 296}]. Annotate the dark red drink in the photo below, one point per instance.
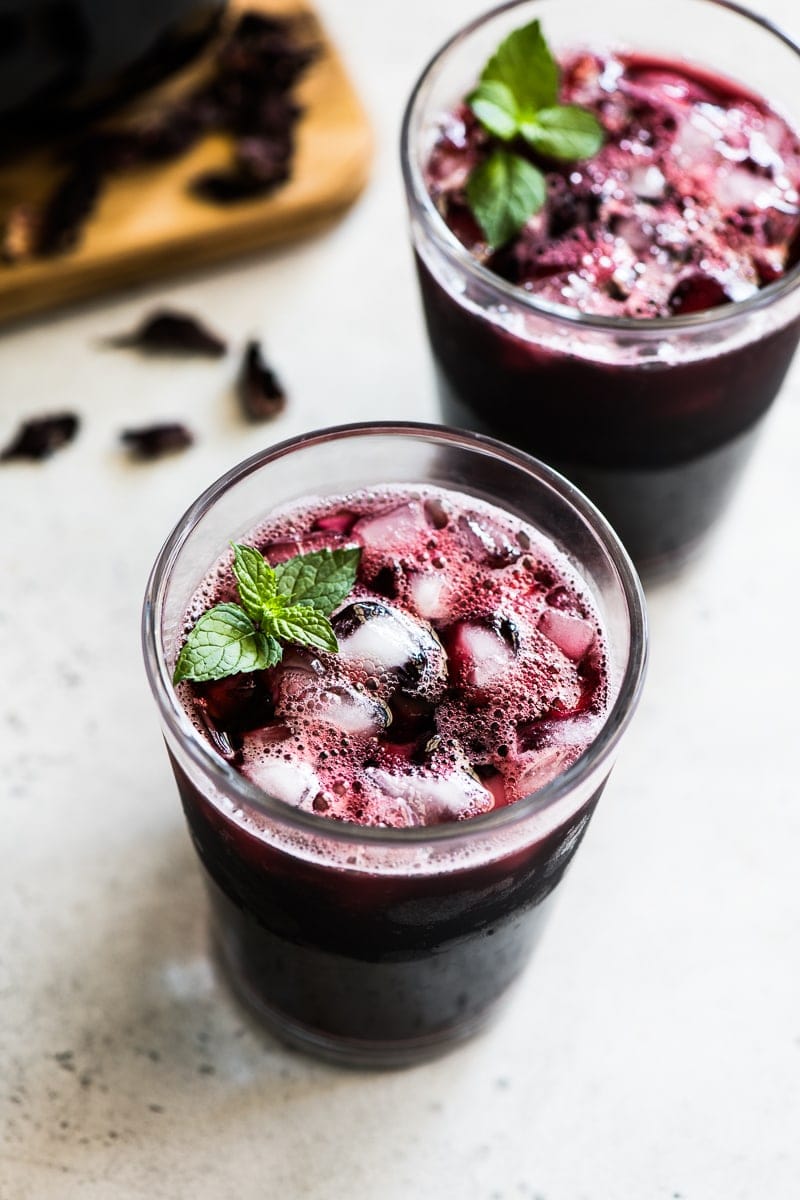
[
  {"x": 380, "y": 827},
  {"x": 637, "y": 328}
]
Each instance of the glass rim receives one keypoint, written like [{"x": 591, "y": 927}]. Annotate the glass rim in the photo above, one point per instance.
[
  {"x": 422, "y": 205},
  {"x": 231, "y": 783}
]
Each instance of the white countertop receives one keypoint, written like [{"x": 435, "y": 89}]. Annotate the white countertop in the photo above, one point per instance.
[{"x": 652, "y": 1051}]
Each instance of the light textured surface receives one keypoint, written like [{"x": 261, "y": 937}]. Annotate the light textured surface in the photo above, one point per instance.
[{"x": 652, "y": 1052}]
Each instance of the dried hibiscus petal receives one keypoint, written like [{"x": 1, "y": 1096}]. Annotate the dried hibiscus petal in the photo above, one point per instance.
[
  {"x": 170, "y": 332},
  {"x": 265, "y": 157},
  {"x": 260, "y": 392},
  {"x": 69, "y": 207},
  {"x": 229, "y": 187},
  {"x": 246, "y": 95},
  {"x": 153, "y": 441},
  {"x": 41, "y": 437}
]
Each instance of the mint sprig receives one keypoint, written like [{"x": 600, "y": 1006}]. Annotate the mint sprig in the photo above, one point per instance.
[
  {"x": 517, "y": 97},
  {"x": 524, "y": 65},
  {"x": 505, "y": 189},
  {"x": 287, "y": 603}
]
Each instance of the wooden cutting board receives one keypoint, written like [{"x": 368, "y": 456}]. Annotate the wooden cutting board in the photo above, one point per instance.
[{"x": 147, "y": 224}]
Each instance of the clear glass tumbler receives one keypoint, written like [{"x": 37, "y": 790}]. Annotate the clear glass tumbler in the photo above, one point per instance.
[
  {"x": 652, "y": 418},
  {"x": 367, "y": 945}
]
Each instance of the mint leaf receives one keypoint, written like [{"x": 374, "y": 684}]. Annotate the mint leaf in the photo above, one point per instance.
[
  {"x": 224, "y": 642},
  {"x": 303, "y": 625},
  {"x": 322, "y": 579},
  {"x": 289, "y": 603},
  {"x": 524, "y": 65},
  {"x": 255, "y": 579},
  {"x": 563, "y": 131},
  {"x": 502, "y": 193},
  {"x": 495, "y": 107}
]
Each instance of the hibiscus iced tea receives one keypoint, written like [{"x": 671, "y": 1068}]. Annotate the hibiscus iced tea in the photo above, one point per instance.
[
  {"x": 388, "y": 820},
  {"x": 634, "y": 331}
]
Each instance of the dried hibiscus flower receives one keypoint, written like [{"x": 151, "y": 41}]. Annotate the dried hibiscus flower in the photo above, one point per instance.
[
  {"x": 260, "y": 392},
  {"x": 69, "y": 206},
  {"x": 246, "y": 95},
  {"x": 41, "y": 437},
  {"x": 153, "y": 441},
  {"x": 168, "y": 331}
]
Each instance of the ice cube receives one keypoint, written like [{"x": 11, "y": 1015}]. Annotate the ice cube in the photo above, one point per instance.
[
  {"x": 341, "y": 521},
  {"x": 572, "y": 635},
  {"x": 481, "y": 654},
  {"x": 303, "y": 688},
  {"x": 428, "y": 591},
  {"x": 545, "y": 765},
  {"x": 648, "y": 182},
  {"x": 293, "y": 677},
  {"x": 350, "y": 710},
  {"x": 740, "y": 188},
  {"x": 428, "y": 798},
  {"x": 493, "y": 782},
  {"x": 293, "y": 781},
  {"x": 487, "y": 541},
  {"x": 398, "y": 529},
  {"x": 380, "y": 640},
  {"x": 695, "y": 142},
  {"x": 278, "y": 552}
]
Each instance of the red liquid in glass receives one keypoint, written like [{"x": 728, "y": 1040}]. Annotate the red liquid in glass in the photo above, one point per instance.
[
  {"x": 471, "y": 671},
  {"x": 692, "y": 203}
]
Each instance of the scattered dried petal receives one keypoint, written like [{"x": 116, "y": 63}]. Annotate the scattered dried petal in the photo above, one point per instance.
[
  {"x": 261, "y": 395},
  {"x": 69, "y": 208},
  {"x": 168, "y": 331},
  {"x": 265, "y": 157},
  {"x": 228, "y": 187},
  {"x": 41, "y": 437},
  {"x": 153, "y": 441}
]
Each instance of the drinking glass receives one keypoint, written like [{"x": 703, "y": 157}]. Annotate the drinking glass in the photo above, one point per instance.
[
  {"x": 653, "y": 418},
  {"x": 369, "y": 945}
]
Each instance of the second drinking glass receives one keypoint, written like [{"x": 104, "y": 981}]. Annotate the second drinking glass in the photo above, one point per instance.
[{"x": 652, "y": 417}]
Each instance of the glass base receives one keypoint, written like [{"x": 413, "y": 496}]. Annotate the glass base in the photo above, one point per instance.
[
  {"x": 345, "y": 1051},
  {"x": 665, "y": 515}
]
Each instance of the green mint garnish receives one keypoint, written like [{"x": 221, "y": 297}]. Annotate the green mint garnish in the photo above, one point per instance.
[
  {"x": 502, "y": 192},
  {"x": 564, "y": 131},
  {"x": 223, "y": 642},
  {"x": 524, "y": 66},
  {"x": 517, "y": 97},
  {"x": 287, "y": 603}
]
